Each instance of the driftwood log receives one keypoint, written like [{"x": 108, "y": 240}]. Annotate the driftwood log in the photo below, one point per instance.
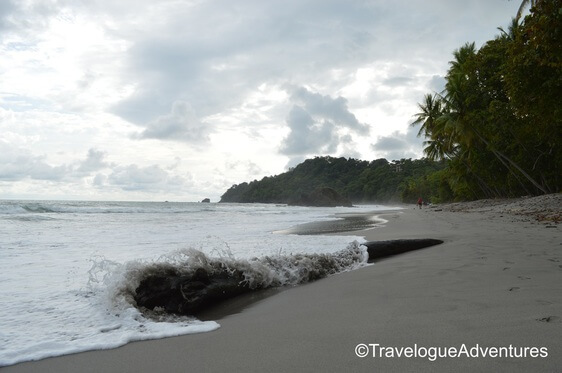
[
  {"x": 189, "y": 295},
  {"x": 383, "y": 249},
  {"x": 192, "y": 294}
]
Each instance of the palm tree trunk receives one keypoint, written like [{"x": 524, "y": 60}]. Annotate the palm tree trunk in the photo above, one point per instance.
[
  {"x": 500, "y": 155},
  {"x": 524, "y": 3},
  {"x": 527, "y": 176},
  {"x": 486, "y": 189},
  {"x": 513, "y": 173}
]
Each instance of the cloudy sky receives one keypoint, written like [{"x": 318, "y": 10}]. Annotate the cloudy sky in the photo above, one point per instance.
[{"x": 180, "y": 99}]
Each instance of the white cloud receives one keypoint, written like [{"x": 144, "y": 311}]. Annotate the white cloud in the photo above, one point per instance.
[
  {"x": 146, "y": 99},
  {"x": 93, "y": 162},
  {"x": 308, "y": 136},
  {"x": 398, "y": 145},
  {"x": 19, "y": 164},
  {"x": 181, "y": 124},
  {"x": 319, "y": 124},
  {"x": 149, "y": 178}
]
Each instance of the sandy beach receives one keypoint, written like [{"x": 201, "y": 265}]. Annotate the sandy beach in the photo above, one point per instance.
[{"x": 495, "y": 283}]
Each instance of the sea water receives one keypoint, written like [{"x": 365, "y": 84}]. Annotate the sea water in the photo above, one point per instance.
[{"x": 68, "y": 270}]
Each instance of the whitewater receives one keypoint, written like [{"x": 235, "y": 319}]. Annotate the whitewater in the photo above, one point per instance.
[{"x": 68, "y": 269}]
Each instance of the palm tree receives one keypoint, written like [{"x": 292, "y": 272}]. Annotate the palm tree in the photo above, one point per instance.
[
  {"x": 457, "y": 120},
  {"x": 431, "y": 110},
  {"x": 462, "y": 56},
  {"x": 512, "y": 29},
  {"x": 522, "y": 7},
  {"x": 438, "y": 145},
  {"x": 433, "y": 150},
  {"x": 450, "y": 122}
]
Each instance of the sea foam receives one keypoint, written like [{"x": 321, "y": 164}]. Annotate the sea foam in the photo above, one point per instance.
[{"x": 70, "y": 269}]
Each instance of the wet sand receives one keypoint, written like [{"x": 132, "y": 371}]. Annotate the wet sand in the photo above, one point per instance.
[{"x": 495, "y": 282}]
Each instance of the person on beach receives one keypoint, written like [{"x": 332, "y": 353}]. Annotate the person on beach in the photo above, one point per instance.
[{"x": 420, "y": 202}]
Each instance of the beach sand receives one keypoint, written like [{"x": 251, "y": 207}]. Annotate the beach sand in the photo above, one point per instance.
[{"x": 495, "y": 282}]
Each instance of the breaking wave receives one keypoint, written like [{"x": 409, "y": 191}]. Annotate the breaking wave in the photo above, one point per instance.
[
  {"x": 122, "y": 281},
  {"x": 89, "y": 207}
]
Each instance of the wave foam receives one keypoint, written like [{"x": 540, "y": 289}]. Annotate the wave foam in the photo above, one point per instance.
[{"x": 222, "y": 273}]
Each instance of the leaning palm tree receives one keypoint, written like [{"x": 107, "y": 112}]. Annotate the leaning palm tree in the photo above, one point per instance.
[
  {"x": 522, "y": 7},
  {"x": 514, "y": 25},
  {"x": 462, "y": 127},
  {"x": 512, "y": 30}
]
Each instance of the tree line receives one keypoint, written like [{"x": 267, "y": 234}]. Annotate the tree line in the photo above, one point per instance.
[
  {"x": 497, "y": 124},
  {"x": 360, "y": 181}
]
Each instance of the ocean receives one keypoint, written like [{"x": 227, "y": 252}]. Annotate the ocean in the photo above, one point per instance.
[{"x": 69, "y": 269}]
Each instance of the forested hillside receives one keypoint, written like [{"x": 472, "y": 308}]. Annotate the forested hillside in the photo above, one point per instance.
[{"x": 360, "y": 181}]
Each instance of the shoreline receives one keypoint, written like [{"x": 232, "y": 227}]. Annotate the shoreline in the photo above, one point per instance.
[
  {"x": 342, "y": 224},
  {"x": 495, "y": 281}
]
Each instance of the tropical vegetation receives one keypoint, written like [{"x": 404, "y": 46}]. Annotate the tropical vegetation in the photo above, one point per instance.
[
  {"x": 360, "y": 181},
  {"x": 498, "y": 122}
]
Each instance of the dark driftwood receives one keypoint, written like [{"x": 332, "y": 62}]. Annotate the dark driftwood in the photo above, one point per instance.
[
  {"x": 383, "y": 249},
  {"x": 188, "y": 295},
  {"x": 192, "y": 294}
]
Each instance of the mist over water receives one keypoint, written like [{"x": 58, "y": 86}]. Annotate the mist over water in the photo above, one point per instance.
[{"x": 70, "y": 269}]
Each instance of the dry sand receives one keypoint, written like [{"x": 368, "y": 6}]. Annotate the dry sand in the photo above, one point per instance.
[{"x": 495, "y": 282}]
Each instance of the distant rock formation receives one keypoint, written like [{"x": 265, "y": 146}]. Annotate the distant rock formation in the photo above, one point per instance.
[
  {"x": 321, "y": 197},
  {"x": 206, "y": 200}
]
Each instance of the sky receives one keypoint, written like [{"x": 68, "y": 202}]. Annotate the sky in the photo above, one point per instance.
[{"x": 152, "y": 100}]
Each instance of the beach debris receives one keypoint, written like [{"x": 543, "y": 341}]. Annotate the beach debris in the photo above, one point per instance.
[
  {"x": 545, "y": 209},
  {"x": 193, "y": 287},
  {"x": 198, "y": 282},
  {"x": 551, "y": 319},
  {"x": 190, "y": 294},
  {"x": 383, "y": 249}
]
